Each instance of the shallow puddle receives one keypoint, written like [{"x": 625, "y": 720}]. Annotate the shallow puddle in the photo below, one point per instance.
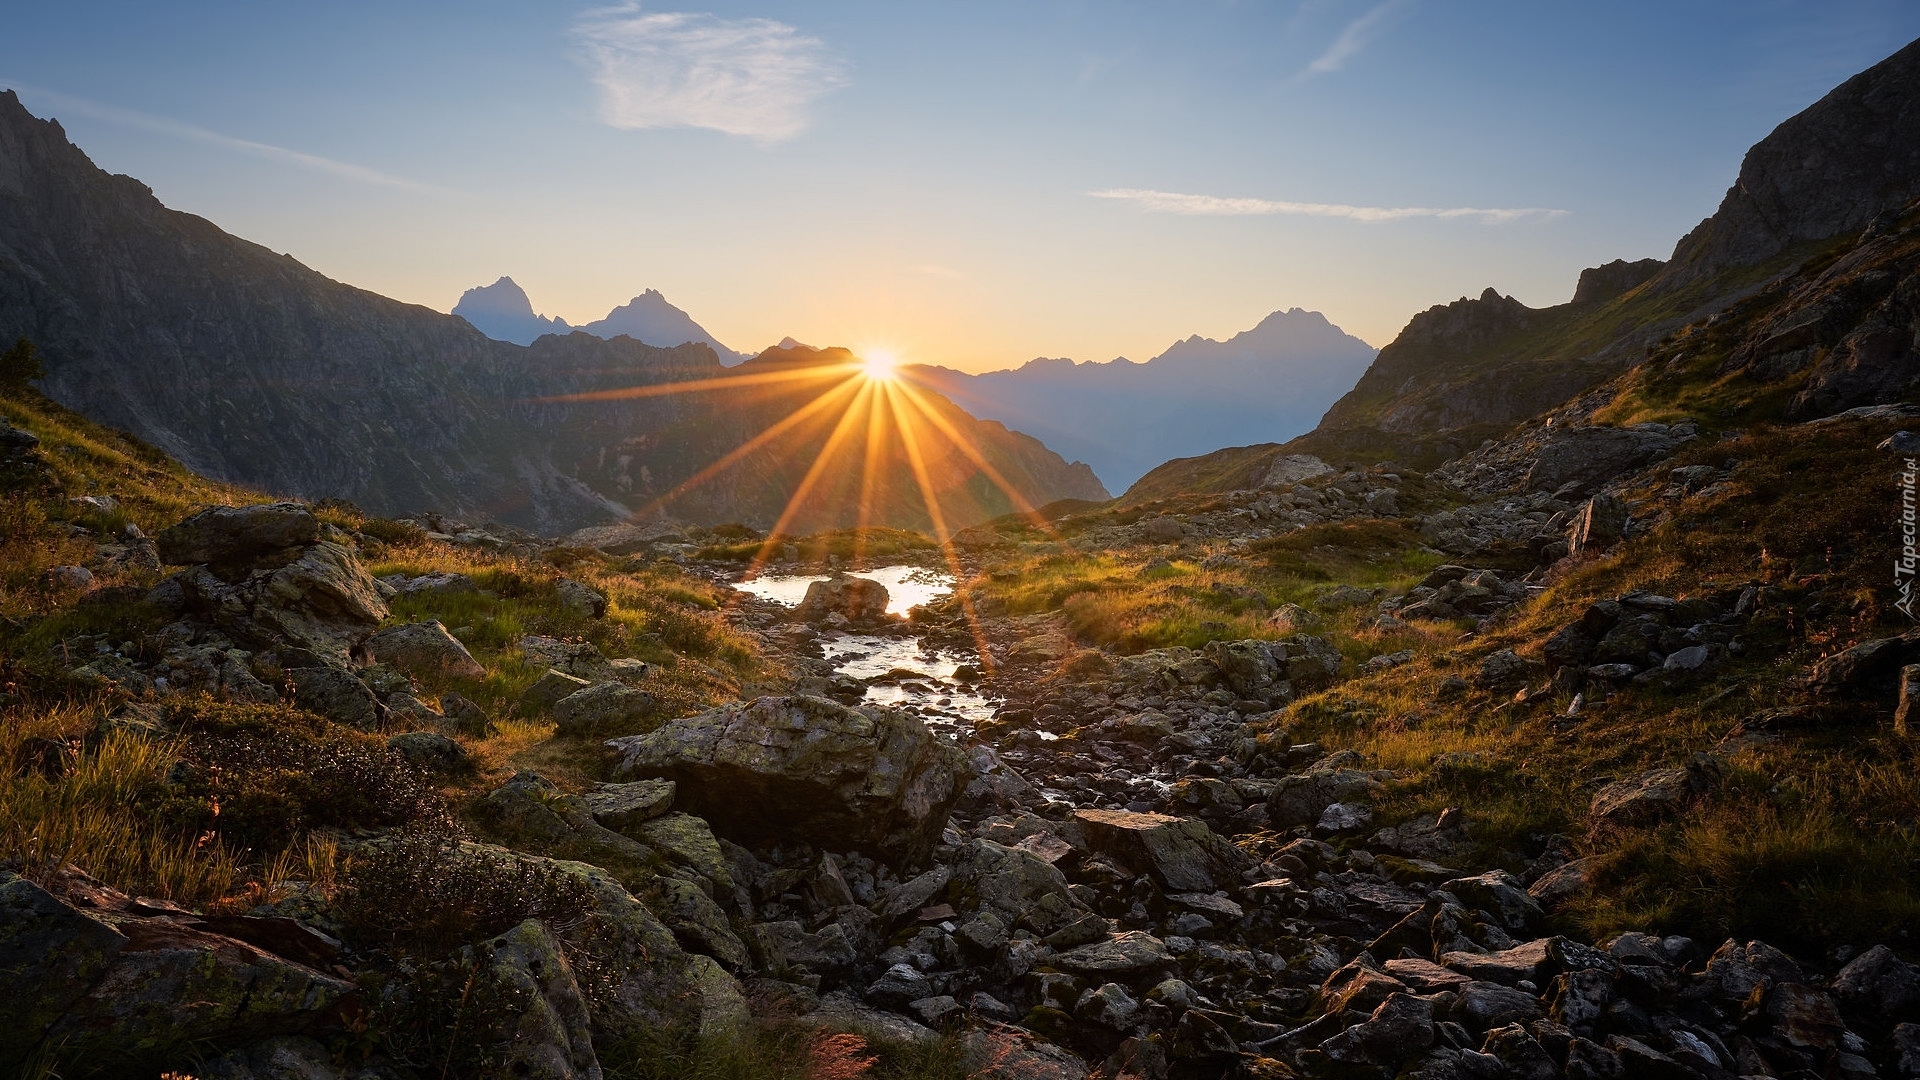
[{"x": 922, "y": 681}]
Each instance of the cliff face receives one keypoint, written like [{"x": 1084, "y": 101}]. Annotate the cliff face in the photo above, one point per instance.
[
  {"x": 249, "y": 367},
  {"x": 1823, "y": 173}
]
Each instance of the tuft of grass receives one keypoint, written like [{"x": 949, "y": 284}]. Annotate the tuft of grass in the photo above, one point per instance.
[
  {"x": 79, "y": 816},
  {"x": 775, "y": 1046}
]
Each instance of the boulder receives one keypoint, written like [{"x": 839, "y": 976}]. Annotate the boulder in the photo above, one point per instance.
[
  {"x": 1289, "y": 469},
  {"x": 1301, "y": 799},
  {"x": 431, "y": 751},
  {"x": 1601, "y": 522},
  {"x": 1018, "y": 887},
  {"x": 856, "y": 599},
  {"x": 606, "y": 709},
  {"x": 1133, "y": 954},
  {"x": 1592, "y": 456},
  {"x": 52, "y": 955},
  {"x": 1654, "y": 795},
  {"x": 804, "y": 768},
  {"x": 239, "y": 537},
  {"x": 317, "y": 606},
  {"x": 424, "y": 649},
  {"x": 336, "y": 694},
  {"x": 465, "y": 717},
  {"x": 580, "y": 659},
  {"x": 618, "y": 806},
  {"x": 539, "y": 1020},
  {"x": 548, "y": 690},
  {"x": 1182, "y": 854},
  {"x": 1879, "y": 984},
  {"x": 580, "y": 598},
  {"x": 1400, "y": 1028}
]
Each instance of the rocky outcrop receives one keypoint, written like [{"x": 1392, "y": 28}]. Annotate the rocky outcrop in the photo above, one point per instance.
[
  {"x": 108, "y": 980},
  {"x": 801, "y": 767},
  {"x": 263, "y": 576},
  {"x": 1828, "y": 170}
]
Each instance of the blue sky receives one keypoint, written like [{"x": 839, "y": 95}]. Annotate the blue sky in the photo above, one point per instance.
[{"x": 969, "y": 183}]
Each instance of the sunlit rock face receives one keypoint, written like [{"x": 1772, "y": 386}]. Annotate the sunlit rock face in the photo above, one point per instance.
[{"x": 805, "y": 768}]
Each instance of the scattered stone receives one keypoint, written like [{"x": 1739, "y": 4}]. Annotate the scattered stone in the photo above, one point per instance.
[
  {"x": 1181, "y": 853},
  {"x": 431, "y": 751},
  {"x": 580, "y": 598},
  {"x": 424, "y": 649},
  {"x": 606, "y": 709}
]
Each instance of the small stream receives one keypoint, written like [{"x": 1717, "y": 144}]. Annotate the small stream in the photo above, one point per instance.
[{"x": 906, "y": 671}]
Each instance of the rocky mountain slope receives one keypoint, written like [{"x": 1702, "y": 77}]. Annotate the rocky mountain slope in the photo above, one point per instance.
[
  {"x": 1124, "y": 418},
  {"x": 1465, "y": 372},
  {"x": 249, "y": 367}
]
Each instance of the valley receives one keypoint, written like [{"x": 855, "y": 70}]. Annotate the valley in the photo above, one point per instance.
[{"x": 380, "y": 700}]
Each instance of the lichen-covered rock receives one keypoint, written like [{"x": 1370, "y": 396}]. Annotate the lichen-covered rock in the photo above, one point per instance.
[
  {"x": 805, "y": 768},
  {"x": 431, "y": 751},
  {"x": 1133, "y": 954},
  {"x": 618, "y": 806},
  {"x": 321, "y": 603},
  {"x": 548, "y": 690},
  {"x": 52, "y": 954},
  {"x": 424, "y": 649},
  {"x": 581, "y": 659},
  {"x": 236, "y": 536},
  {"x": 530, "y": 1007},
  {"x": 606, "y": 709},
  {"x": 336, "y": 694},
  {"x": 581, "y": 598},
  {"x": 1301, "y": 799},
  {"x": 1017, "y": 886},
  {"x": 1183, "y": 854}
]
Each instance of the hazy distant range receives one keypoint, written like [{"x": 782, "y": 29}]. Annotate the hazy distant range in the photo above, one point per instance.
[
  {"x": 503, "y": 312},
  {"x": 1265, "y": 385}
]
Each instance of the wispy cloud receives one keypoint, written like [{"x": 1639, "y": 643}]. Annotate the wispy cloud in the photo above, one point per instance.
[
  {"x": 1354, "y": 37},
  {"x": 752, "y": 77},
  {"x": 1170, "y": 202},
  {"x": 160, "y": 125}
]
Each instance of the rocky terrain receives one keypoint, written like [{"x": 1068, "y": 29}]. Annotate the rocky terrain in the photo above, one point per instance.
[
  {"x": 1585, "y": 752},
  {"x": 249, "y": 367}
]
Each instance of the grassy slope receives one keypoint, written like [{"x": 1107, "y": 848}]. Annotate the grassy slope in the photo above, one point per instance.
[{"x": 1809, "y": 843}]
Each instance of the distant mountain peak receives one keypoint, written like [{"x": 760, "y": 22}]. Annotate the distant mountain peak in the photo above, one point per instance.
[{"x": 502, "y": 311}]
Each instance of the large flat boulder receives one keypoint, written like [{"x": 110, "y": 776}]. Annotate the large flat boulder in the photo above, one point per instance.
[
  {"x": 804, "y": 768},
  {"x": 1182, "y": 854},
  {"x": 237, "y": 536}
]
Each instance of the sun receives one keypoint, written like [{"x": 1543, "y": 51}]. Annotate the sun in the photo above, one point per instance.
[{"x": 880, "y": 365}]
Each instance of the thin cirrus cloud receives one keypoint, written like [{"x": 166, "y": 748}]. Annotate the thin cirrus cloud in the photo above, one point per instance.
[
  {"x": 160, "y": 125},
  {"x": 1354, "y": 37},
  {"x": 752, "y": 77},
  {"x": 1172, "y": 202}
]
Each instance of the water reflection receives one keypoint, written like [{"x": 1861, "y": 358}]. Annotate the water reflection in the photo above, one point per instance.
[
  {"x": 906, "y": 672},
  {"x": 907, "y": 586}
]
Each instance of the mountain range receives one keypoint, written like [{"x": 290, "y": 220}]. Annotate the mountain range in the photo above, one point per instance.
[
  {"x": 504, "y": 312},
  {"x": 249, "y": 367},
  {"x": 1123, "y": 418}
]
